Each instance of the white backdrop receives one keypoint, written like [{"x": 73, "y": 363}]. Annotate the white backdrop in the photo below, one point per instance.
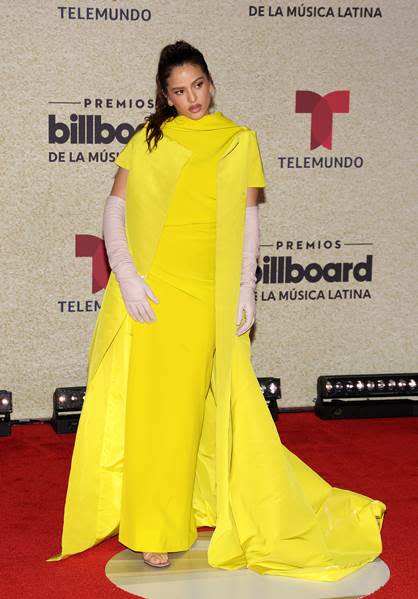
[{"x": 330, "y": 94}]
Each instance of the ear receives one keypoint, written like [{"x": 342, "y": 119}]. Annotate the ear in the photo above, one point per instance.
[{"x": 169, "y": 102}]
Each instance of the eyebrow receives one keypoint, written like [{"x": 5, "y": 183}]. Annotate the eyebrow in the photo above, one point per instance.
[{"x": 201, "y": 77}]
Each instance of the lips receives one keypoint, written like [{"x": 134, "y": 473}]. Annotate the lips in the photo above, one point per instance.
[{"x": 195, "y": 107}]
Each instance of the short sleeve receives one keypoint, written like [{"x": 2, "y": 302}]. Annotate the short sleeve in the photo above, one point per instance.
[
  {"x": 256, "y": 176},
  {"x": 124, "y": 158}
]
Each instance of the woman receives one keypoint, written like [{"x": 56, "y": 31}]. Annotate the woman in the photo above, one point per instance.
[{"x": 174, "y": 432}]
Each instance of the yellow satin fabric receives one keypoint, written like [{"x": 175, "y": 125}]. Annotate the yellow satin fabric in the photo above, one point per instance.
[
  {"x": 171, "y": 362},
  {"x": 172, "y": 359},
  {"x": 273, "y": 514}
]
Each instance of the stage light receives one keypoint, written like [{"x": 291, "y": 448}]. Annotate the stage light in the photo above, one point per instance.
[
  {"x": 271, "y": 390},
  {"x": 67, "y": 405},
  {"x": 367, "y": 395},
  {"x": 6, "y": 408}
]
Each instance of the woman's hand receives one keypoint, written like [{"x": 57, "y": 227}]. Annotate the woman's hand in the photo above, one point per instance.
[
  {"x": 133, "y": 288},
  {"x": 135, "y": 292},
  {"x": 246, "y": 302}
]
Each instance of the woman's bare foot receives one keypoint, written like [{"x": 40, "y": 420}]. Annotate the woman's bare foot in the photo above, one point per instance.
[{"x": 156, "y": 559}]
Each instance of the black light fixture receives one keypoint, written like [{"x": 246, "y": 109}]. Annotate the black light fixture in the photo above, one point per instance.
[
  {"x": 67, "y": 404},
  {"x": 367, "y": 395},
  {"x": 6, "y": 408},
  {"x": 270, "y": 387}
]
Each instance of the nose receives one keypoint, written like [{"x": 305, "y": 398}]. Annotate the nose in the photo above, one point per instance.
[{"x": 191, "y": 97}]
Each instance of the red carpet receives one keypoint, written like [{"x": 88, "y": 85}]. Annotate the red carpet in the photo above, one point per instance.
[{"x": 375, "y": 457}]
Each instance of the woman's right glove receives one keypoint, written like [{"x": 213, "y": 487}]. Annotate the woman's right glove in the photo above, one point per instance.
[{"x": 133, "y": 288}]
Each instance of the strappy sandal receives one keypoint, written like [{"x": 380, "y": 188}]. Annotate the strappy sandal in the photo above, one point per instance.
[{"x": 155, "y": 565}]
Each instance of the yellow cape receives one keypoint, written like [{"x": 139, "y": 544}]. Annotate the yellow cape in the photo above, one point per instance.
[{"x": 273, "y": 514}]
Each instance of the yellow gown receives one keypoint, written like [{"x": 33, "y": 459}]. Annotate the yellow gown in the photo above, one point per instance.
[
  {"x": 174, "y": 432},
  {"x": 171, "y": 359}
]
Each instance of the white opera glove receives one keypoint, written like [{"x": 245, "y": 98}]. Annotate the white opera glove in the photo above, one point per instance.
[
  {"x": 249, "y": 265},
  {"x": 133, "y": 288}
]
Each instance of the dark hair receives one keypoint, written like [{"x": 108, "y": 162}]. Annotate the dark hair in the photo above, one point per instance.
[{"x": 171, "y": 56}]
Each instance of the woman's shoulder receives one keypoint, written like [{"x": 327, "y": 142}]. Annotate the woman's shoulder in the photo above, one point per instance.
[
  {"x": 248, "y": 134},
  {"x": 139, "y": 133},
  {"x": 248, "y": 130},
  {"x": 137, "y": 138}
]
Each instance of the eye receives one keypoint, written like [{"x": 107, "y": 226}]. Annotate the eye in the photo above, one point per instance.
[{"x": 179, "y": 91}]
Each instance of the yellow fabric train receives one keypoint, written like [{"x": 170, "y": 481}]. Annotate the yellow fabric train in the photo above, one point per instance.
[{"x": 272, "y": 513}]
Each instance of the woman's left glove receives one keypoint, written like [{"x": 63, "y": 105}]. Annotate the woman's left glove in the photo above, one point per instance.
[{"x": 250, "y": 254}]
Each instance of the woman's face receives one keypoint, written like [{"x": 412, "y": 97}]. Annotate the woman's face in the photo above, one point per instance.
[{"x": 189, "y": 91}]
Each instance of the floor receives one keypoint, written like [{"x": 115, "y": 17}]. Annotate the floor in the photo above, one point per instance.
[{"x": 189, "y": 576}]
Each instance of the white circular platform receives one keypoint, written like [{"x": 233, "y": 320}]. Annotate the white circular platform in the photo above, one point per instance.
[{"x": 189, "y": 576}]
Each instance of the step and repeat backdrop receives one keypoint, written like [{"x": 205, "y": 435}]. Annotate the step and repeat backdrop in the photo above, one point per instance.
[{"x": 329, "y": 88}]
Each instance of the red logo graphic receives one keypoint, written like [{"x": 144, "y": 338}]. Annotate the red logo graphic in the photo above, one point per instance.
[
  {"x": 90, "y": 246},
  {"x": 322, "y": 109}
]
